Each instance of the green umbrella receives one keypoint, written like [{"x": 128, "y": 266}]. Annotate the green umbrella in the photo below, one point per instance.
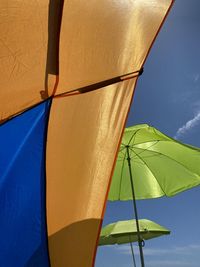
[
  {"x": 160, "y": 166},
  {"x": 123, "y": 232}
]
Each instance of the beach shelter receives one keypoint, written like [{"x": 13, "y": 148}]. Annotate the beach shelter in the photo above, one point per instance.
[
  {"x": 125, "y": 232},
  {"x": 150, "y": 165},
  {"x": 68, "y": 73}
]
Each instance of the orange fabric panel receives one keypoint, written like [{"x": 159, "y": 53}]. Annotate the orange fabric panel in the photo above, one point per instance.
[
  {"x": 103, "y": 39},
  {"x": 84, "y": 130},
  {"x": 84, "y": 133},
  {"x": 74, "y": 245},
  {"x": 99, "y": 40},
  {"x": 26, "y": 76}
]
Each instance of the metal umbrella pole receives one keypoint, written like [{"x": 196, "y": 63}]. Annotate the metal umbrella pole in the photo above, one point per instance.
[
  {"x": 132, "y": 252},
  {"x": 135, "y": 209}
]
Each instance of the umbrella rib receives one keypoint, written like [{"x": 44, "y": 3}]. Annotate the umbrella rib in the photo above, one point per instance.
[
  {"x": 150, "y": 141},
  {"x": 122, "y": 174},
  {"x": 158, "y": 153},
  {"x": 146, "y": 149},
  {"x": 172, "y": 140},
  {"x": 121, "y": 152},
  {"x": 134, "y": 135},
  {"x": 98, "y": 85},
  {"x": 155, "y": 142},
  {"x": 149, "y": 170}
]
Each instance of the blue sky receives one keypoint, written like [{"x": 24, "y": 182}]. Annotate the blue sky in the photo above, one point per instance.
[{"x": 168, "y": 98}]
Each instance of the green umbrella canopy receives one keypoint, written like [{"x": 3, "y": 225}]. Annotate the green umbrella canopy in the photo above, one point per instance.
[
  {"x": 160, "y": 165},
  {"x": 123, "y": 232}
]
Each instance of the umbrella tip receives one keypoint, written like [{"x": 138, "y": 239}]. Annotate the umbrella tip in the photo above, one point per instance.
[{"x": 141, "y": 71}]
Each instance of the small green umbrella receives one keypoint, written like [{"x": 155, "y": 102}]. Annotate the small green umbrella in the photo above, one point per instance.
[
  {"x": 150, "y": 165},
  {"x": 123, "y": 232}
]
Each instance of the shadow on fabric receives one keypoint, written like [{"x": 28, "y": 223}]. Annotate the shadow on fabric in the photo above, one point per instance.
[{"x": 75, "y": 244}]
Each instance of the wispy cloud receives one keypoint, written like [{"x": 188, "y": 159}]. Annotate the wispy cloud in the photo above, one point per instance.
[
  {"x": 171, "y": 263},
  {"x": 196, "y": 77},
  {"x": 188, "y": 126},
  {"x": 148, "y": 251},
  {"x": 172, "y": 256},
  {"x": 196, "y": 105},
  {"x": 175, "y": 250}
]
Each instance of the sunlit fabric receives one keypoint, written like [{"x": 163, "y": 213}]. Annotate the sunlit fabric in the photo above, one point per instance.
[
  {"x": 23, "y": 55},
  {"x": 115, "y": 43},
  {"x": 34, "y": 52},
  {"x": 80, "y": 154},
  {"x": 23, "y": 239}
]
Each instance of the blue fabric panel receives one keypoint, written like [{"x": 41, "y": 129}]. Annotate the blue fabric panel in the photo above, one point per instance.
[{"x": 23, "y": 238}]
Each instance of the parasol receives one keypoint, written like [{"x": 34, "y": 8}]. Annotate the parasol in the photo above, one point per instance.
[
  {"x": 161, "y": 166},
  {"x": 123, "y": 232},
  {"x": 151, "y": 164}
]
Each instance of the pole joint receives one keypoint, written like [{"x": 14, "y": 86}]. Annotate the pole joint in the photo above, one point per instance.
[{"x": 128, "y": 155}]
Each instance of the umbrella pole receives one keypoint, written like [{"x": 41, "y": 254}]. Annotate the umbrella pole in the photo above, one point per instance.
[
  {"x": 135, "y": 208},
  {"x": 133, "y": 256}
]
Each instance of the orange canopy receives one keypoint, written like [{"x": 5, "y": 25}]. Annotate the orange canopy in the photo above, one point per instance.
[{"x": 51, "y": 49}]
